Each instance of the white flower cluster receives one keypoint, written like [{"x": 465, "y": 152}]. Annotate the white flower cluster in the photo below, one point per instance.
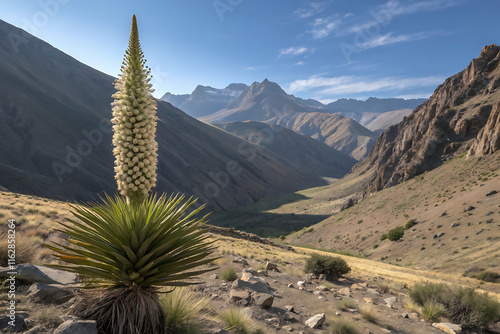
[{"x": 134, "y": 127}]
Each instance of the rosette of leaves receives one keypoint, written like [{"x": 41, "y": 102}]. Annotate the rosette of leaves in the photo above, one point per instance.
[{"x": 132, "y": 250}]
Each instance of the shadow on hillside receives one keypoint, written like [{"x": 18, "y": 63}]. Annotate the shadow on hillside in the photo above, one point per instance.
[{"x": 265, "y": 224}]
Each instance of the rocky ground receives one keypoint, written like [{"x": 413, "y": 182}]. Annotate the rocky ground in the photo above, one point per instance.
[{"x": 278, "y": 300}]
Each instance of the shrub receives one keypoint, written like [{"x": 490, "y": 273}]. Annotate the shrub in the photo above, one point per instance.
[
  {"x": 432, "y": 311},
  {"x": 282, "y": 237},
  {"x": 342, "y": 326},
  {"x": 331, "y": 267},
  {"x": 183, "y": 309},
  {"x": 383, "y": 237},
  {"x": 410, "y": 224},
  {"x": 488, "y": 276},
  {"x": 471, "y": 309},
  {"x": 375, "y": 246},
  {"x": 463, "y": 306},
  {"x": 228, "y": 274},
  {"x": 237, "y": 321},
  {"x": 396, "y": 233},
  {"x": 423, "y": 293}
]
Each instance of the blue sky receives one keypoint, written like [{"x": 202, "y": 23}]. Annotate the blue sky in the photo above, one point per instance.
[{"x": 323, "y": 49}]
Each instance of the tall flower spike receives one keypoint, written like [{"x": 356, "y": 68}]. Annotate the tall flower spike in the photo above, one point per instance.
[{"x": 134, "y": 124}]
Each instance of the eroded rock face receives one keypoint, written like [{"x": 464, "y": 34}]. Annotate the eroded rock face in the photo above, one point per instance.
[
  {"x": 488, "y": 139},
  {"x": 462, "y": 113}
]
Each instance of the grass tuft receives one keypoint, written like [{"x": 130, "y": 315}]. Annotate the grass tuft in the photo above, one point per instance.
[
  {"x": 432, "y": 311},
  {"x": 342, "y": 326},
  {"x": 237, "y": 321},
  {"x": 228, "y": 274}
]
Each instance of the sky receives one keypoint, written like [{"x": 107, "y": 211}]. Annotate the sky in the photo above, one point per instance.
[{"x": 323, "y": 50}]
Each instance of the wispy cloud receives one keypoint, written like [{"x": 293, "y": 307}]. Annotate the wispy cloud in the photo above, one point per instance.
[
  {"x": 388, "y": 38},
  {"x": 255, "y": 68},
  {"x": 323, "y": 27},
  {"x": 294, "y": 51},
  {"x": 313, "y": 9},
  {"x": 343, "y": 85},
  {"x": 397, "y": 8}
]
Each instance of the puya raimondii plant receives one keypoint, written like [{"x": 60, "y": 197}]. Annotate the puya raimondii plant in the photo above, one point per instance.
[{"x": 131, "y": 245}]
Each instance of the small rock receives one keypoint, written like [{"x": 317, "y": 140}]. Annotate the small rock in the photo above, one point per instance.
[
  {"x": 390, "y": 301},
  {"x": 345, "y": 291},
  {"x": 448, "y": 328},
  {"x": 469, "y": 208},
  {"x": 373, "y": 291},
  {"x": 493, "y": 192},
  {"x": 290, "y": 285},
  {"x": 322, "y": 288},
  {"x": 413, "y": 316},
  {"x": 309, "y": 278},
  {"x": 263, "y": 300},
  {"x": 77, "y": 327},
  {"x": 405, "y": 315},
  {"x": 317, "y": 321},
  {"x": 241, "y": 260},
  {"x": 317, "y": 292},
  {"x": 359, "y": 287},
  {"x": 439, "y": 235},
  {"x": 290, "y": 317},
  {"x": 271, "y": 266},
  {"x": 50, "y": 293},
  {"x": 250, "y": 270},
  {"x": 287, "y": 328},
  {"x": 301, "y": 284},
  {"x": 338, "y": 314},
  {"x": 455, "y": 224},
  {"x": 322, "y": 277},
  {"x": 290, "y": 308},
  {"x": 368, "y": 300},
  {"x": 489, "y": 213}
]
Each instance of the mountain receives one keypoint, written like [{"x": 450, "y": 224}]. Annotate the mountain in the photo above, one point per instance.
[
  {"x": 357, "y": 109},
  {"x": 205, "y": 100},
  {"x": 312, "y": 155},
  {"x": 261, "y": 102},
  {"x": 339, "y": 132},
  {"x": 461, "y": 116},
  {"x": 55, "y": 138},
  {"x": 378, "y": 122}
]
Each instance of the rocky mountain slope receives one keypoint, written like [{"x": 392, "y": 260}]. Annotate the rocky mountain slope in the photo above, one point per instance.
[
  {"x": 378, "y": 122},
  {"x": 205, "y": 100},
  {"x": 446, "y": 125},
  {"x": 260, "y": 102},
  {"x": 357, "y": 109},
  {"x": 55, "y": 139},
  {"x": 312, "y": 155},
  {"x": 339, "y": 132}
]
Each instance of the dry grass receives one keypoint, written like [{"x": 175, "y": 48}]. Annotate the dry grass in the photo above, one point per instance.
[
  {"x": 367, "y": 312},
  {"x": 238, "y": 321}
]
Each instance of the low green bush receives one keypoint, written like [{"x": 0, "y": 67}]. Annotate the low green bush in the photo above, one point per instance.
[
  {"x": 383, "y": 237},
  {"x": 331, "y": 267},
  {"x": 410, "y": 224},
  {"x": 396, "y": 233},
  {"x": 488, "y": 276},
  {"x": 463, "y": 306}
]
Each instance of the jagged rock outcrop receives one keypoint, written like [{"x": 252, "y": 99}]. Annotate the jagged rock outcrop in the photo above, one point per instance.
[
  {"x": 488, "y": 139},
  {"x": 459, "y": 115}
]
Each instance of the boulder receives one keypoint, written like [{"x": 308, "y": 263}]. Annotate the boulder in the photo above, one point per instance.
[
  {"x": 50, "y": 293},
  {"x": 18, "y": 318},
  {"x": 41, "y": 274},
  {"x": 317, "y": 321},
  {"x": 390, "y": 301},
  {"x": 263, "y": 300},
  {"x": 239, "y": 296},
  {"x": 439, "y": 235},
  {"x": 448, "y": 328},
  {"x": 359, "y": 287},
  {"x": 77, "y": 327},
  {"x": 271, "y": 266},
  {"x": 345, "y": 291},
  {"x": 259, "y": 286}
]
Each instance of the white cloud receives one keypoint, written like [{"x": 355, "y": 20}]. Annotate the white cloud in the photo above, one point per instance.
[
  {"x": 313, "y": 9},
  {"x": 396, "y": 8},
  {"x": 343, "y": 85},
  {"x": 299, "y": 63},
  {"x": 294, "y": 51},
  {"x": 323, "y": 27},
  {"x": 387, "y": 39}
]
